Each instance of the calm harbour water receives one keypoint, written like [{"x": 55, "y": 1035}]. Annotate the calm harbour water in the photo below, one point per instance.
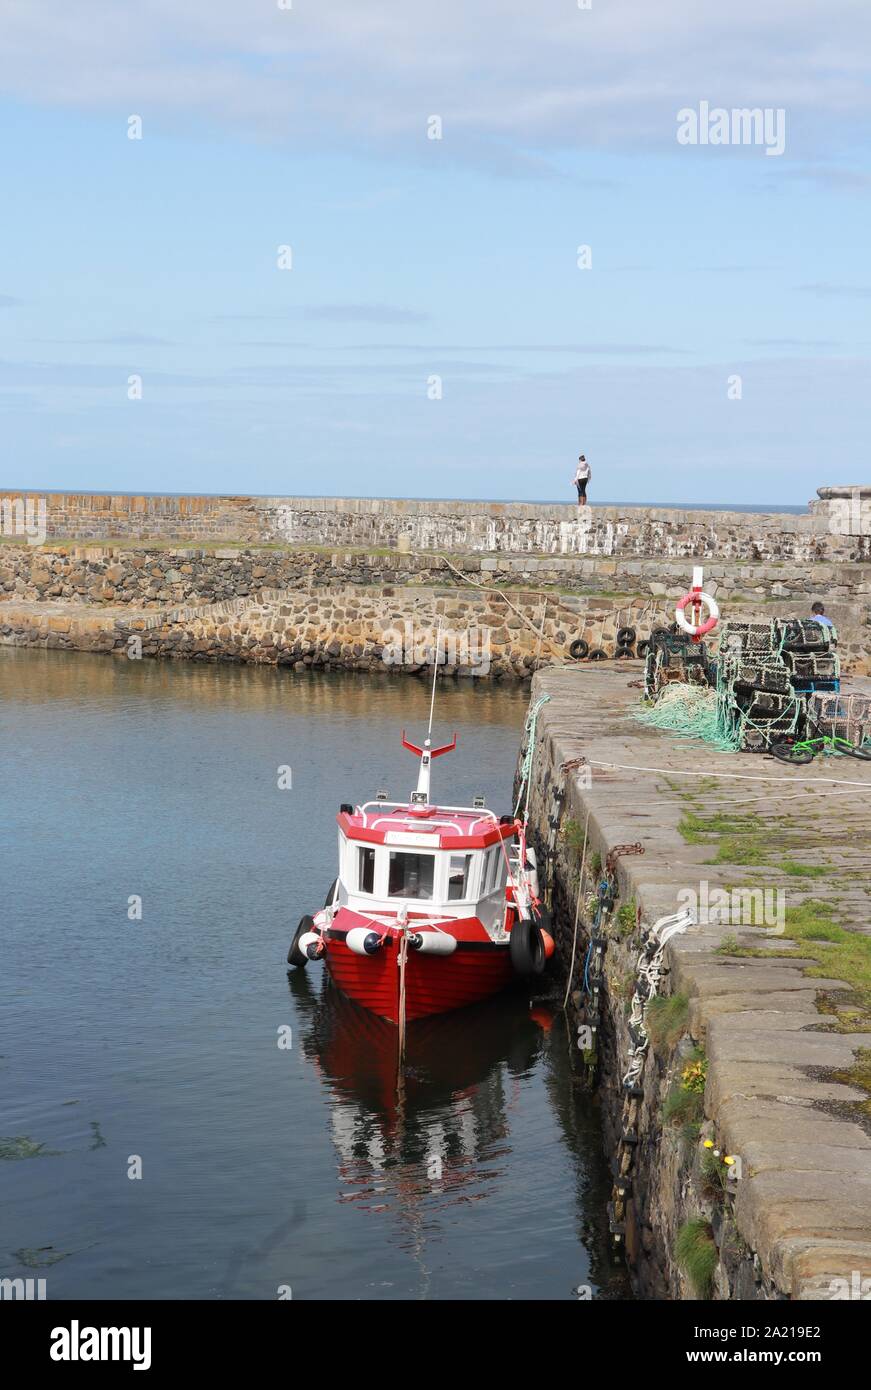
[{"x": 262, "y": 1167}]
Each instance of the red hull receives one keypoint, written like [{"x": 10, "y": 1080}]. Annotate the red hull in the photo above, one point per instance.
[{"x": 433, "y": 984}]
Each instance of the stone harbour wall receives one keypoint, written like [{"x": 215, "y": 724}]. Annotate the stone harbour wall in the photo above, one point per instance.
[
  {"x": 833, "y": 529},
  {"x": 574, "y": 595},
  {"x": 350, "y": 627},
  {"x": 152, "y": 577},
  {"x": 486, "y": 634},
  {"x": 778, "y": 1035}
]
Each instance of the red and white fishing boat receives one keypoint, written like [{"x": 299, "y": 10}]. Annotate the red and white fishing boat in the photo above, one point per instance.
[{"x": 434, "y": 906}]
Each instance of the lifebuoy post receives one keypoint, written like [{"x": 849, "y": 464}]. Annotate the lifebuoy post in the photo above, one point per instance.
[{"x": 695, "y": 598}]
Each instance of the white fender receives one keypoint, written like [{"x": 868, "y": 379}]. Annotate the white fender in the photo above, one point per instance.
[
  {"x": 313, "y": 939},
  {"x": 432, "y": 943},
  {"x": 357, "y": 940}
]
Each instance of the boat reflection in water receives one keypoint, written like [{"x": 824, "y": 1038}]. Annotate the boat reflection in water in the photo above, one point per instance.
[{"x": 437, "y": 1134}]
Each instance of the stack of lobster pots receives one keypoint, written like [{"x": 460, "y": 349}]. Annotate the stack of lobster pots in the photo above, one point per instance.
[
  {"x": 758, "y": 704},
  {"x": 672, "y": 655},
  {"x": 765, "y": 672},
  {"x": 808, "y": 649}
]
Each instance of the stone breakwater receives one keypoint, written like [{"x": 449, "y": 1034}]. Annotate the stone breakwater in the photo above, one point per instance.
[
  {"x": 319, "y": 581},
  {"x": 359, "y": 628},
  {"x": 837, "y": 527},
  {"x": 320, "y": 608},
  {"x": 764, "y": 1016},
  {"x": 152, "y": 577},
  {"x": 349, "y": 627}
]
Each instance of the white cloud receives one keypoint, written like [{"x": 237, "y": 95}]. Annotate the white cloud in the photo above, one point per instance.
[{"x": 510, "y": 79}]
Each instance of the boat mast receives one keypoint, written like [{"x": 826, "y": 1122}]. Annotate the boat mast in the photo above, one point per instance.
[{"x": 425, "y": 755}]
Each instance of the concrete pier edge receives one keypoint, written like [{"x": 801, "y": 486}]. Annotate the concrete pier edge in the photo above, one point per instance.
[{"x": 802, "y": 1209}]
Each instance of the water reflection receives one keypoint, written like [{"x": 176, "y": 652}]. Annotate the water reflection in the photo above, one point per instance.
[
  {"x": 483, "y": 1178},
  {"x": 434, "y": 1132},
  {"x": 413, "y": 1145}
]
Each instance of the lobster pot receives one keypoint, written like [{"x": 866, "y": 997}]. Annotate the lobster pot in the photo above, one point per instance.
[
  {"x": 804, "y": 635},
  {"x": 760, "y": 675},
  {"x": 813, "y": 666},
  {"x": 675, "y": 657},
  {"x": 841, "y": 716},
  {"x": 754, "y": 686},
  {"x": 752, "y": 638}
]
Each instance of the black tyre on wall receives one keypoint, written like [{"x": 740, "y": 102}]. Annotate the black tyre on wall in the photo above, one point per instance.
[
  {"x": 295, "y": 956},
  {"x": 625, "y": 636},
  {"x": 579, "y": 648}
]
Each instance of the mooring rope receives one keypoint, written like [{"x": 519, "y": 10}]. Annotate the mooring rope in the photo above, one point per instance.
[
  {"x": 577, "y": 912},
  {"x": 529, "y": 732},
  {"x": 730, "y": 776},
  {"x": 403, "y": 954}
]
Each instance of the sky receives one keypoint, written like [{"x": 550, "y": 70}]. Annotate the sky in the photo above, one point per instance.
[{"x": 430, "y": 331}]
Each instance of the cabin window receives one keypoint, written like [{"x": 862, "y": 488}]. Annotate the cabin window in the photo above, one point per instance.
[
  {"x": 411, "y": 875},
  {"x": 491, "y": 873},
  {"x": 366, "y": 869},
  {"x": 459, "y": 870}
]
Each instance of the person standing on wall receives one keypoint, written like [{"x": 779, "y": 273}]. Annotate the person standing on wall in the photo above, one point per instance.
[{"x": 583, "y": 473}]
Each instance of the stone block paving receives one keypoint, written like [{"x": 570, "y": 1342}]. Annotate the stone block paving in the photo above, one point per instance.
[{"x": 804, "y": 1136}]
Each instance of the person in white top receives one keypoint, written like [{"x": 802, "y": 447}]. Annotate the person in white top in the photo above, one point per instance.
[{"x": 583, "y": 473}]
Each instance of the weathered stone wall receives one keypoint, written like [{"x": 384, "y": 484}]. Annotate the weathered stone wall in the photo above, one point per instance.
[
  {"x": 466, "y": 527},
  {"x": 352, "y": 626},
  {"x": 153, "y": 577},
  {"x": 780, "y": 1093},
  {"x": 578, "y": 591}
]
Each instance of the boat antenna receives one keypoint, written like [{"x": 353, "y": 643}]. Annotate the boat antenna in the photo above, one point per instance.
[{"x": 435, "y": 672}]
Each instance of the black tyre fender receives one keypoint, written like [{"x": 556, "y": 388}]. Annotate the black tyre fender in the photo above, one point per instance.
[
  {"x": 643, "y": 648},
  {"x": 598, "y": 654},
  {"x": 579, "y": 649},
  {"x": 526, "y": 947},
  {"x": 623, "y": 651},
  {"x": 658, "y": 633},
  {"x": 328, "y": 900},
  {"x": 625, "y": 636},
  {"x": 295, "y": 956}
]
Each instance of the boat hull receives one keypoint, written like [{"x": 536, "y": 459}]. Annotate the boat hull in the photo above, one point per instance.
[{"x": 434, "y": 984}]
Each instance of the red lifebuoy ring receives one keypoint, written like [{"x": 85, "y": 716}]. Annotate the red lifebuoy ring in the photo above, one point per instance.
[{"x": 697, "y": 597}]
